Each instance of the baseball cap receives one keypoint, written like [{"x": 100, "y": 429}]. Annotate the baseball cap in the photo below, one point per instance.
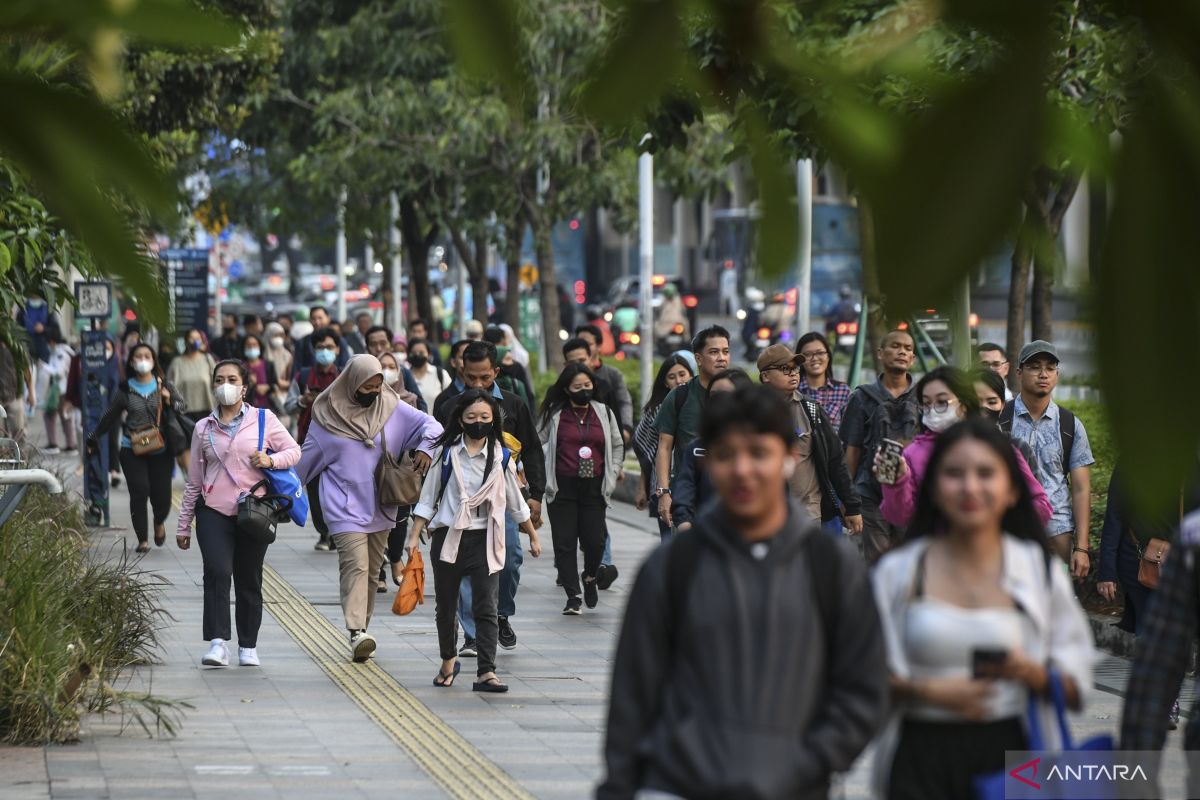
[
  {"x": 1037, "y": 348},
  {"x": 775, "y": 356}
]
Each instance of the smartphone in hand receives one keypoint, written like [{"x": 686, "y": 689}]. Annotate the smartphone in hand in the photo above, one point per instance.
[
  {"x": 986, "y": 662},
  {"x": 890, "y": 453}
]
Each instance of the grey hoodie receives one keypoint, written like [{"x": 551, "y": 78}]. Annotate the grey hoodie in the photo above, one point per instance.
[{"x": 753, "y": 705}]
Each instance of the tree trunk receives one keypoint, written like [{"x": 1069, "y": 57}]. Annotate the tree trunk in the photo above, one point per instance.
[
  {"x": 514, "y": 234},
  {"x": 877, "y": 321},
  {"x": 479, "y": 285},
  {"x": 548, "y": 283},
  {"x": 1018, "y": 286},
  {"x": 1046, "y": 265},
  {"x": 417, "y": 242}
]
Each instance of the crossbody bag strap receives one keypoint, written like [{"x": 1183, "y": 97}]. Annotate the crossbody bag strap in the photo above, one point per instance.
[
  {"x": 158, "y": 396},
  {"x": 262, "y": 424},
  {"x": 212, "y": 442}
]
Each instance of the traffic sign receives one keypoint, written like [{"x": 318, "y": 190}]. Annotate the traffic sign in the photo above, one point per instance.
[{"x": 93, "y": 299}]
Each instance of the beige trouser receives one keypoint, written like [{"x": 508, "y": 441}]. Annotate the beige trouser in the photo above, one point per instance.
[{"x": 360, "y": 555}]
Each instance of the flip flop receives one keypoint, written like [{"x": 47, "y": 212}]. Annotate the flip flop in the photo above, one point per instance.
[
  {"x": 447, "y": 680},
  {"x": 490, "y": 685}
]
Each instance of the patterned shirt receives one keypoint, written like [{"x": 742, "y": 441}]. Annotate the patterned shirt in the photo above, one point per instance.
[
  {"x": 1045, "y": 440},
  {"x": 833, "y": 397}
]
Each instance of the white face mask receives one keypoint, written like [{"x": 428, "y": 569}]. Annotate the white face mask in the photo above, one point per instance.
[
  {"x": 142, "y": 367},
  {"x": 277, "y": 342},
  {"x": 390, "y": 376},
  {"x": 228, "y": 394},
  {"x": 253, "y": 353},
  {"x": 938, "y": 421},
  {"x": 401, "y": 357}
]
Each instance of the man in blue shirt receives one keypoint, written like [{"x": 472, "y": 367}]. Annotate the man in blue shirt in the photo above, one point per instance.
[{"x": 1034, "y": 418}]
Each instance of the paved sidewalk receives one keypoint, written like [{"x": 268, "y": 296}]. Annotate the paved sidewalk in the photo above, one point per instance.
[{"x": 287, "y": 729}]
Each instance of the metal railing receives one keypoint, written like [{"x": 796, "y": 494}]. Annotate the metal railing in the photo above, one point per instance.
[{"x": 16, "y": 479}]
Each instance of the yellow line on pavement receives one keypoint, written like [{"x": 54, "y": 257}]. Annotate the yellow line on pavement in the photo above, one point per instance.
[{"x": 450, "y": 760}]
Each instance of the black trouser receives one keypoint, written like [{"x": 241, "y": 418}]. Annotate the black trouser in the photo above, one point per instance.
[
  {"x": 314, "y": 506},
  {"x": 399, "y": 535},
  {"x": 485, "y": 589},
  {"x": 577, "y": 522},
  {"x": 228, "y": 554},
  {"x": 938, "y": 760},
  {"x": 148, "y": 478}
]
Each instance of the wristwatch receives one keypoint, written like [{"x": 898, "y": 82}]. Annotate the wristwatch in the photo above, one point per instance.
[{"x": 660, "y": 491}]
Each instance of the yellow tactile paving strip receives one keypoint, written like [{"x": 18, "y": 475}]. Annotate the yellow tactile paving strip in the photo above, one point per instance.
[{"x": 450, "y": 760}]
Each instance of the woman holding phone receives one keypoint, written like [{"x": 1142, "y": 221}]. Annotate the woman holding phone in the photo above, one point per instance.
[
  {"x": 976, "y": 614},
  {"x": 946, "y": 396}
]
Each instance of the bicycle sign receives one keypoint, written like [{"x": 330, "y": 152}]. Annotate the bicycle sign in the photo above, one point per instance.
[{"x": 94, "y": 299}]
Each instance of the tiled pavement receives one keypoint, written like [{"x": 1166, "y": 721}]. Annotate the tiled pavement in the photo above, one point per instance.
[{"x": 286, "y": 730}]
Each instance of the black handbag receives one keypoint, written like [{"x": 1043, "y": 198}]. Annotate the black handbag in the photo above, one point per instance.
[
  {"x": 179, "y": 432},
  {"x": 257, "y": 515}
]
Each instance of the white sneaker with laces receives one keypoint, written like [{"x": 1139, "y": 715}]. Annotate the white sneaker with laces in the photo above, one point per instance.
[
  {"x": 248, "y": 657},
  {"x": 362, "y": 646},
  {"x": 217, "y": 655}
]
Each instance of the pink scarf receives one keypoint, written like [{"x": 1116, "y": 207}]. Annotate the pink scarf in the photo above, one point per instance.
[{"x": 492, "y": 493}]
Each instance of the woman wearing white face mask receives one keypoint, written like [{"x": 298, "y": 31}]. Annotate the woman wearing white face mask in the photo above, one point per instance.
[
  {"x": 280, "y": 357},
  {"x": 226, "y": 464},
  {"x": 142, "y": 402},
  {"x": 946, "y": 396}
]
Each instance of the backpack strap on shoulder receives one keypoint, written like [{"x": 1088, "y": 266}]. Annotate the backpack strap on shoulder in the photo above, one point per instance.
[
  {"x": 681, "y": 396},
  {"x": 1066, "y": 433}
]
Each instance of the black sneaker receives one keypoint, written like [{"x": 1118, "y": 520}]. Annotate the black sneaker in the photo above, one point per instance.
[
  {"x": 573, "y": 608},
  {"x": 606, "y": 575},
  {"x": 590, "y": 595},
  {"x": 505, "y": 636},
  {"x": 324, "y": 544},
  {"x": 468, "y": 649}
]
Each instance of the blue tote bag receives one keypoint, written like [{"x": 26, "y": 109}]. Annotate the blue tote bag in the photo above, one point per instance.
[
  {"x": 991, "y": 786},
  {"x": 284, "y": 481}
]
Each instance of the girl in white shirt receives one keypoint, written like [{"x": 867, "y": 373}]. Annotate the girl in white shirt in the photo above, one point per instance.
[
  {"x": 975, "y": 613},
  {"x": 466, "y": 494}
]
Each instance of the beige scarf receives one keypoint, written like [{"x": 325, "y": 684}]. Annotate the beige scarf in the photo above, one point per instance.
[
  {"x": 491, "y": 492},
  {"x": 338, "y": 412}
]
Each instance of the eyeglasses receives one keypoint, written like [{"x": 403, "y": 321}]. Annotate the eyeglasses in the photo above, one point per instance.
[
  {"x": 788, "y": 371},
  {"x": 819, "y": 355},
  {"x": 993, "y": 365},
  {"x": 940, "y": 405},
  {"x": 1041, "y": 369}
]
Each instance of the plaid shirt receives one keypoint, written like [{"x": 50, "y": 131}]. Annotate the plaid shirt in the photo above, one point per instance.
[
  {"x": 1162, "y": 657},
  {"x": 832, "y": 396}
]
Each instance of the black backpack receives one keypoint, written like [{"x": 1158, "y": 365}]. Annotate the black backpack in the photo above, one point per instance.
[
  {"x": 895, "y": 418},
  {"x": 1066, "y": 433}
]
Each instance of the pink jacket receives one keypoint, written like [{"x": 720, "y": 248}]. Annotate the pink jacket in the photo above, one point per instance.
[
  {"x": 208, "y": 479},
  {"x": 900, "y": 500}
]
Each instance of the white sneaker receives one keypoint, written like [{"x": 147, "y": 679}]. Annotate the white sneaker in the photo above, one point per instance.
[
  {"x": 51, "y": 451},
  {"x": 248, "y": 657},
  {"x": 217, "y": 655},
  {"x": 362, "y": 645}
]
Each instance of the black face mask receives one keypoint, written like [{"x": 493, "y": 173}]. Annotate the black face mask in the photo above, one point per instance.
[
  {"x": 366, "y": 399},
  {"x": 581, "y": 397},
  {"x": 418, "y": 361},
  {"x": 477, "y": 430},
  {"x": 991, "y": 414}
]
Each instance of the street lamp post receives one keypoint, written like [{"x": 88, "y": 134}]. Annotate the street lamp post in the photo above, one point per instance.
[
  {"x": 646, "y": 265},
  {"x": 395, "y": 280},
  {"x": 804, "y": 199},
  {"x": 340, "y": 256}
]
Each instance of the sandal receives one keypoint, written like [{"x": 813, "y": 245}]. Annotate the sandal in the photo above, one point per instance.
[
  {"x": 492, "y": 684},
  {"x": 447, "y": 680},
  {"x": 143, "y": 547},
  {"x": 160, "y": 535},
  {"x": 397, "y": 572}
]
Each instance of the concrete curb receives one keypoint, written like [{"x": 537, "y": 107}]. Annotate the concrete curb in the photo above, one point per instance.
[{"x": 1117, "y": 642}]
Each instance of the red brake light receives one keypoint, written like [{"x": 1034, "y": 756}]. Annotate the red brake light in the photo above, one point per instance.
[
  {"x": 658, "y": 280},
  {"x": 903, "y": 326},
  {"x": 973, "y": 320},
  {"x": 690, "y": 300},
  {"x": 580, "y": 287},
  {"x": 677, "y": 329},
  {"x": 842, "y": 328},
  {"x": 624, "y": 337},
  {"x": 852, "y": 327},
  {"x": 764, "y": 333},
  {"x": 580, "y": 299}
]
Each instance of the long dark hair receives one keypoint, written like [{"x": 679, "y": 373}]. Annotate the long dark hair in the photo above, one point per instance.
[
  {"x": 989, "y": 378},
  {"x": 814, "y": 336},
  {"x": 557, "y": 397},
  {"x": 232, "y": 362},
  {"x": 454, "y": 428},
  {"x": 155, "y": 370},
  {"x": 957, "y": 382},
  {"x": 660, "y": 390},
  {"x": 1020, "y": 521}
]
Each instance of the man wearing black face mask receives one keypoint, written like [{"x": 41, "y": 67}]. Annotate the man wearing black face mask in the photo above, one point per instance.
[
  {"x": 228, "y": 344},
  {"x": 480, "y": 367}
]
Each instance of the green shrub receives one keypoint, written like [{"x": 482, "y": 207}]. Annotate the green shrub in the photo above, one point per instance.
[
  {"x": 1094, "y": 417},
  {"x": 72, "y": 619}
]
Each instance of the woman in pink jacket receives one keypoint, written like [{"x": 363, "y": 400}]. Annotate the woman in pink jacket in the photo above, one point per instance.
[
  {"x": 225, "y": 464},
  {"x": 946, "y": 396}
]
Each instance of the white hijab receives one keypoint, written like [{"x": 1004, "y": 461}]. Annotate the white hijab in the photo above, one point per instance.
[{"x": 519, "y": 353}]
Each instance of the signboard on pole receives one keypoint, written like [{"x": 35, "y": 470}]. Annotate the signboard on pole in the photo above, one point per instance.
[
  {"x": 99, "y": 379},
  {"x": 94, "y": 300},
  {"x": 187, "y": 282}
]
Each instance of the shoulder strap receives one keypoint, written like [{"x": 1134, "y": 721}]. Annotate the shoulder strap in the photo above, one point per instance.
[
  {"x": 875, "y": 393},
  {"x": 262, "y": 424},
  {"x": 1006, "y": 416},
  {"x": 1066, "y": 433},
  {"x": 446, "y": 467},
  {"x": 681, "y": 396}
]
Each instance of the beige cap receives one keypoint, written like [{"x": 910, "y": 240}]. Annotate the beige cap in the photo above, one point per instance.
[{"x": 777, "y": 355}]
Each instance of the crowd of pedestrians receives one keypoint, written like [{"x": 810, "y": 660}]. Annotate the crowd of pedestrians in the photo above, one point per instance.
[{"x": 887, "y": 563}]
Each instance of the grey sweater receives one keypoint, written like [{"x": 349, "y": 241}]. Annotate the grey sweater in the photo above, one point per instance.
[
  {"x": 138, "y": 411},
  {"x": 752, "y": 704}
]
